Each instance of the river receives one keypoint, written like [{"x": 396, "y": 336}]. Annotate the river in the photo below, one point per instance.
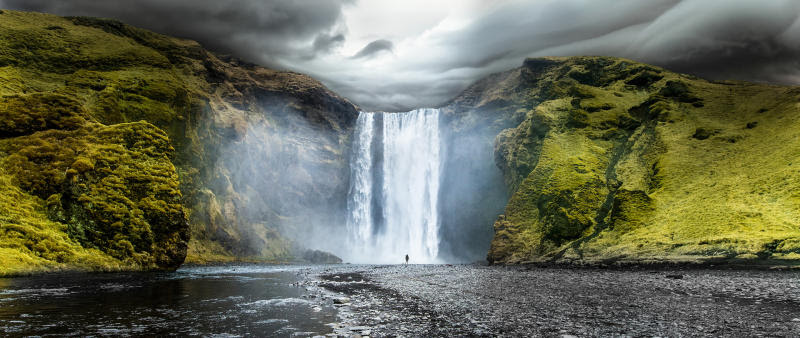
[
  {"x": 407, "y": 300},
  {"x": 207, "y": 301}
]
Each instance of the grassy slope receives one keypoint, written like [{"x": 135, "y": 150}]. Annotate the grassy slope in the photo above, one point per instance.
[
  {"x": 33, "y": 243},
  {"x": 83, "y": 194},
  {"x": 617, "y": 160}
]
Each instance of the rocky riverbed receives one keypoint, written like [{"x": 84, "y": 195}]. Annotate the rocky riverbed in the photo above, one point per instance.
[{"x": 474, "y": 300}]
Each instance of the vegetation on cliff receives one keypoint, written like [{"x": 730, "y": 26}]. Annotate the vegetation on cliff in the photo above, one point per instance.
[
  {"x": 116, "y": 142},
  {"x": 616, "y": 160},
  {"x": 84, "y": 194}
]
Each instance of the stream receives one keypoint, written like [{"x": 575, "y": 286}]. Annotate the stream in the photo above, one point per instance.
[{"x": 208, "y": 301}]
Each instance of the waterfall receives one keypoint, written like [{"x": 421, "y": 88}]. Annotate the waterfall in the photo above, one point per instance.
[
  {"x": 359, "y": 221},
  {"x": 394, "y": 188}
]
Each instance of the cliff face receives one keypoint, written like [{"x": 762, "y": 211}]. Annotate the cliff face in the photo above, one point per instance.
[
  {"x": 117, "y": 145},
  {"x": 472, "y": 191},
  {"x": 97, "y": 187},
  {"x": 610, "y": 159}
]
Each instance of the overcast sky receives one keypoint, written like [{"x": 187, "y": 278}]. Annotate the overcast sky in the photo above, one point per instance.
[{"x": 397, "y": 55}]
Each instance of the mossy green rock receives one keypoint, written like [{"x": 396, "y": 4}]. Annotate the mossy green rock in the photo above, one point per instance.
[
  {"x": 620, "y": 161},
  {"x": 110, "y": 188},
  {"x": 124, "y": 143}
]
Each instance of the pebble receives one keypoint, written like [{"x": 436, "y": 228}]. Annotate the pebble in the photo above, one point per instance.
[{"x": 487, "y": 301}]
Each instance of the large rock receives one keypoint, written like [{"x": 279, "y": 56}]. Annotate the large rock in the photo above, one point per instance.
[
  {"x": 110, "y": 188},
  {"x": 320, "y": 257}
]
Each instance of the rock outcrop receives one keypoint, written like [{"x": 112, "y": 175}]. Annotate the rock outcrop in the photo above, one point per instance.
[{"x": 320, "y": 257}]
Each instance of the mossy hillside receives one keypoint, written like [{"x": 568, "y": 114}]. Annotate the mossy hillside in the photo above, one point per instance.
[
  {"x": 133, "y": 89},
  {"x": 111, "y": 189},
  {"x": 31, "y": 242},
  {"x": 732, "y": 195},
  {"x": 608, "y": 164},
  {"x": 55, "y": 45},
  {"x": 206, "y": 105},
  {"x": 118, "y": 78}
]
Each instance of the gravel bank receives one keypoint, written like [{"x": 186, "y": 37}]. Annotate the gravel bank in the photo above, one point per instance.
[{"x": 447, "y": 300}]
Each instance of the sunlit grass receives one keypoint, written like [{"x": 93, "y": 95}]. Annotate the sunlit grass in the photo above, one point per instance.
[{"x": 611, "y": 170}]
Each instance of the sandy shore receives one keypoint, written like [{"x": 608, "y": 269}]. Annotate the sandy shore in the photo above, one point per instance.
[{"x": 473, "y": 300}]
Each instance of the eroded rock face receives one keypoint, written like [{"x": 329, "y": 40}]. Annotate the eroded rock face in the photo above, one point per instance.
[
  {"x": 616, "y": 160},
  {"x": 273, "y": 165}
]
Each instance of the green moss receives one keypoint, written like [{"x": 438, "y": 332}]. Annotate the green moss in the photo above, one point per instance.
[
  {"x": 30, "y": 242},
  {"x": 82, "y": 165},
  {"x": 645, "y": 79},
  {"x": 26, "y": 114},
  {"x": 164, "y": 45},
  {"x": 655, "y": 176},
  {"x": 113, "y": 187},
  {"x": 26, "y": 41},
  {"x": 73, "y": 95}
]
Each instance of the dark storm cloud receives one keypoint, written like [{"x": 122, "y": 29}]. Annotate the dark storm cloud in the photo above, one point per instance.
[
  {"x": 717, "y": 39},
  {"x": 518, "y": 29},
  {"x": 398, "y": 96},
  {"x": 325, "y": 42},
  {"x": 373, "y": 48},
  {"x": 748, "y": 40},
  {"x": 261, "y": 31}
]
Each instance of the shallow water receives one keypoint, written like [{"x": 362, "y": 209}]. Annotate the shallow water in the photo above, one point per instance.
[{"x": 222, "y": 301}]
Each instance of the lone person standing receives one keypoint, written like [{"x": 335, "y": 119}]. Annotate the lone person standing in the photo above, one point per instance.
[{"x": 406, "y": 259}]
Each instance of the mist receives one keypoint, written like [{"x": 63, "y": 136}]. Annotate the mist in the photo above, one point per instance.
[
  {"x": 424, "y": 183},
  {"x": 285, "y": 185},
  {"x": 284, "y": 178},
  {"x": 473, "y": 194}
]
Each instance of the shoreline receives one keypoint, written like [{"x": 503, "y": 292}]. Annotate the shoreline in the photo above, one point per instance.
[
  {"x": 618, "y": 265},
  {"x": 526, "y": 300},
  {"x": 667, "y": 264},
  {"x": 476, "y": 300}
]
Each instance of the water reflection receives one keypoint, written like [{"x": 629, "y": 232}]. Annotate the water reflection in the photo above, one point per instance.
[{"x": 258, "y": 300}]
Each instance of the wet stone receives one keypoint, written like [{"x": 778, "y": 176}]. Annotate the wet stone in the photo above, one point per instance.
[{"x": 473, "y": 300}]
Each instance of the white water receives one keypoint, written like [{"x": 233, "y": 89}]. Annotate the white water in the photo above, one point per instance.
[{"x": 400, "y": 216}]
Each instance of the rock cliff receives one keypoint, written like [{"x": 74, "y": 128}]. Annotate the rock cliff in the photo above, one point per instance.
[
  {"x": 614, "y": 160},
  {"x": 122, "y": 149},
  {"x": 118, "y": 144}
]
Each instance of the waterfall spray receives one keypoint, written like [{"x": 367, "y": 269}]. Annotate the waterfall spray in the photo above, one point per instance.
[{"x": 393, "y": 197}]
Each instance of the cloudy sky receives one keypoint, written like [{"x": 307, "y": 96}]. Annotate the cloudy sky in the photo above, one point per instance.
[{"x": 397, "y": 55}]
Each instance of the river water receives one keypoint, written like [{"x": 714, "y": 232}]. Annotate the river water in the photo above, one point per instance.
[{"x": 208, "y": 301}]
